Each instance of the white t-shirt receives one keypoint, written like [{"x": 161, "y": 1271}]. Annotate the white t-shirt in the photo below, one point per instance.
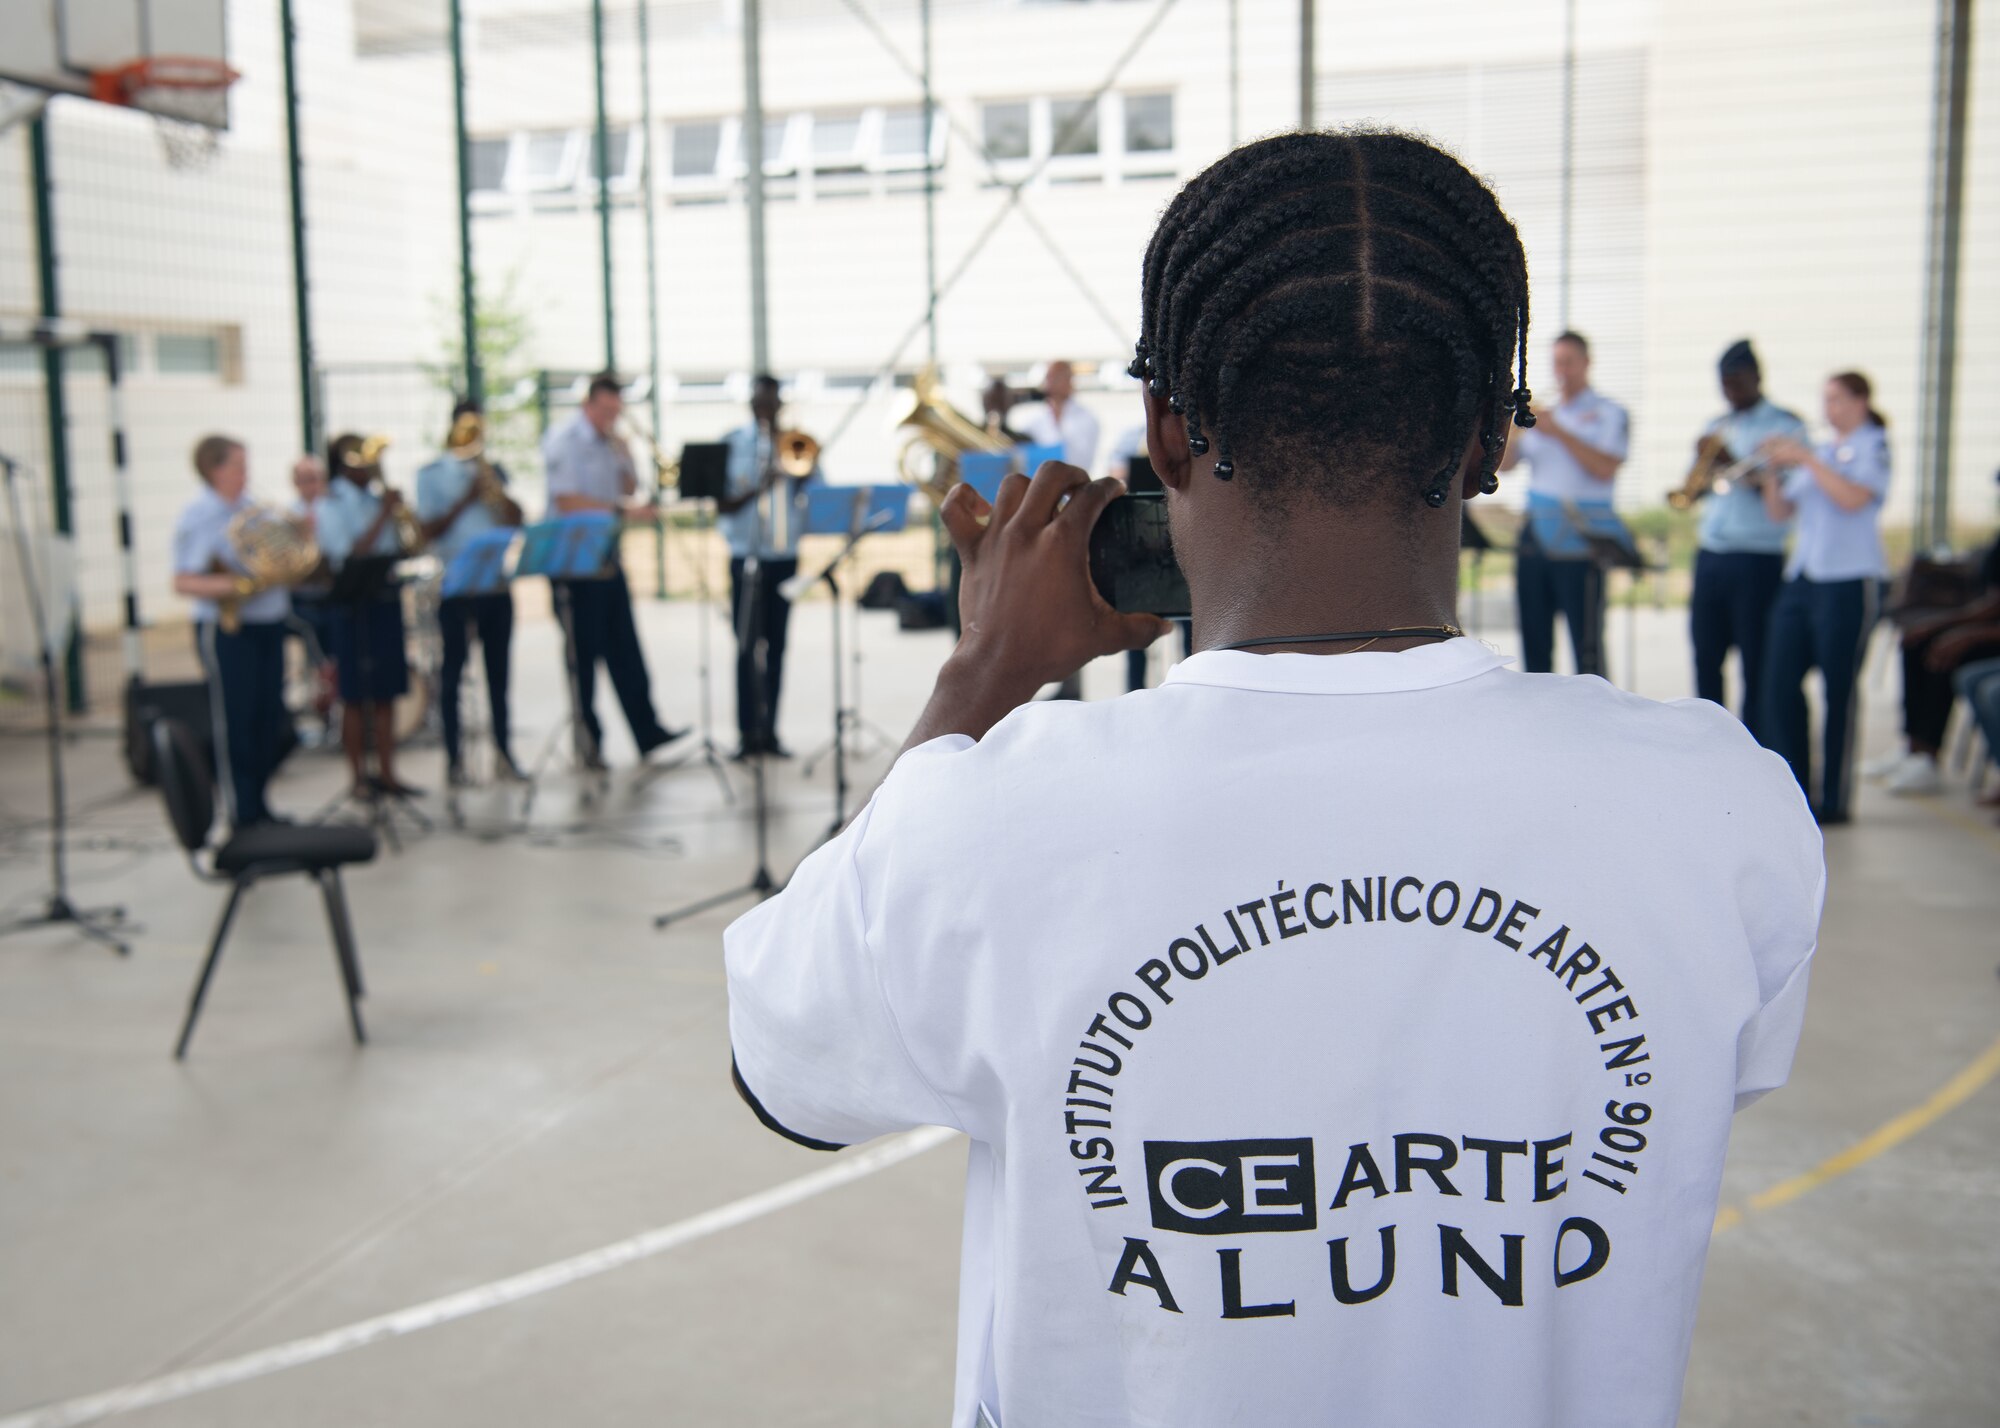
[
  {"x": 1076, "y": 433},
  {"x": 1238, "y": 982}
]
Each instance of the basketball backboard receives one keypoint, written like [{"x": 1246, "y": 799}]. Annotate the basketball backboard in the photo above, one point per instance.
[{"x": 166, "y": 57}]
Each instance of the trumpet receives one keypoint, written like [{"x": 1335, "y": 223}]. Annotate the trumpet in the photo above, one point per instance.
[
  {"x": 364, "y": 454},
  {"x": 1713, "y": 471},
  {"x": 944, "y": 433},
  {"x": 273, "y": 551}
]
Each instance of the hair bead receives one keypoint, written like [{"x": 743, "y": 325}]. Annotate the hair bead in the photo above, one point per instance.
[
  {"x": 1489, "y": 484},
  {"x": 1176, "y": 404},
  {"x": 1225, "y": 470},
  {"x": 1198, "y": 444}
]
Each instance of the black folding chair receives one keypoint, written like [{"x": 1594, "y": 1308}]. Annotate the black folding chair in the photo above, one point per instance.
[{"x": 318, "y": 850}]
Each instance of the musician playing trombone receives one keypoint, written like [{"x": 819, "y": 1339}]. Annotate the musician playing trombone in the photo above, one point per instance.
[
  {"x": 461, "y": 495},
  {"x": 760, "y": 515},
  {"x": 356, "y": 519},
  {"x": 244, "y": 657},
  {"x": 1740, "y": 560}
]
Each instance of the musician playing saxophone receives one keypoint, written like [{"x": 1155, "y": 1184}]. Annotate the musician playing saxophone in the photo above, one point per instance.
[
  {"x": 1740, "y": 561},
  {"x": 354, "y": 519},
  {"x": 750, "y": 524},
  {"x": 245, "y": 662},
  {"x": 462, "y": 494}
]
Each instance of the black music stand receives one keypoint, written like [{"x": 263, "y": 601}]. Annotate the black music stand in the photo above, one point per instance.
[
  {"x": 362, "y": 581},
  {"x": 94, "y": 922}
]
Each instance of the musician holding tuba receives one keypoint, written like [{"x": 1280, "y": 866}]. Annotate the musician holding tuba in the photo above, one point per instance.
[
  {"x": 239, "y": 629},
  {"x": 769, "y": 469},
  {"x": 461, "y": 494},
  {"x": 1740, "y": 560},
  {"x": 360, "y": 515}
]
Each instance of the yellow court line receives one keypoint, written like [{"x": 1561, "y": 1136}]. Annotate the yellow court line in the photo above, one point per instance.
[{"x": 1948, "y": 1097}]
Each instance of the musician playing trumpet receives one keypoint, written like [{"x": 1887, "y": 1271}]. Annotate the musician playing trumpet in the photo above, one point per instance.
[
  {"x": 244, "y": 655},
  {"x": 1740, "y": 560},
  {"x": 361, "y": 516},
  {"x": 761, "y": 516},
  {"x": 461, "y": 495}
]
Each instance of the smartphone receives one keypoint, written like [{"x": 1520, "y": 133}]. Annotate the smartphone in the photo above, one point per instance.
[{"x": 1132, "y": 559}]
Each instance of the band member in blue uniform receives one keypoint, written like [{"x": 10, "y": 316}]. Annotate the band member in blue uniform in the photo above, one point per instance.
[
  {"x": 1741, "y": 556},
  {"x": 1573, "y": 453},
  {"x": 351, "y": 520},
  {"x": 761, "y": 512},
  {"x": 1826, "y": 606},
  {"x": 589, "y": 469},
  {"x": 243, "y": 655},
  {"x": 461, "y": 495}
]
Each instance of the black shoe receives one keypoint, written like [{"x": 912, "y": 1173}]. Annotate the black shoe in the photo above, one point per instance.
[
  {"x": 667, "y": 735},
  {"x": 1834, "y": 818},
  {"x": 775, "y": 749},
  {"x": 505, "y": 770},
  {"x": 746, "y": 751},
  {"x": 455, "y": 776}
]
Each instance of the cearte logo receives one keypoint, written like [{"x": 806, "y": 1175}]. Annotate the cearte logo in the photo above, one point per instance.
[{"x": 1231, "y": 1187}]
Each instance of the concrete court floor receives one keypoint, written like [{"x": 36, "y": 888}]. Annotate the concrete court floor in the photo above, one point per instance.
[{"x": 547, "y": 1075}]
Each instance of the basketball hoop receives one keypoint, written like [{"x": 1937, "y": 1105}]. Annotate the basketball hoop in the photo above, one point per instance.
[{"x": 186, "y": 95}]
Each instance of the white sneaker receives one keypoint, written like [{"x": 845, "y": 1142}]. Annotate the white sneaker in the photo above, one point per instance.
[
  {"x": 1919, "y": 776},
  {"x": 1888, "y": 766}
]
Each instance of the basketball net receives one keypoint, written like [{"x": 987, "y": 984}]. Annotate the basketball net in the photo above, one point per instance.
[{"x": 187, "y": 97}]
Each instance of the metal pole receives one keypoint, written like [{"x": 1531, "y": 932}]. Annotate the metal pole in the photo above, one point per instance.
[
  {"x": 603, "y": 185},
  {"x": 468, "y": 309},
  {"x": 301, "y": 294},
  {"x": 1947, "y": 200},
  {"x": 1568, "y": 157},
  {"x": 1235, "y": 73},
  {"x": 56, "y": 403},
  {"x": 753, "y": 165},
  {"x": 1306, "y": 76},
  {"x": 930, "y": 190},
  {"x": 121, "y": 492},
  {"x": 652, "y": 283}
]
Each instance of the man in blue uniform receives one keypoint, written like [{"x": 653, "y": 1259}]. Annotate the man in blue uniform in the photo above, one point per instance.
[
  {"x": 243, "y": 654},
  {"x": 455, "y": 506},
  {"x": 1573, "y": 453},
  {"x": 761, "y": 513},
  {"x": 589, "y": 469},
  {"x": 1741, "y": 557}
]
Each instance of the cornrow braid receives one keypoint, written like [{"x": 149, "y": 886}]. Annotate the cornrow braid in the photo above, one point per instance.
[{"x": 1337, "y": 313}]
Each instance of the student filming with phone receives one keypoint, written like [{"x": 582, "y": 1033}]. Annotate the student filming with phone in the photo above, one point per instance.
[{"x": 1348, "y": 1030}]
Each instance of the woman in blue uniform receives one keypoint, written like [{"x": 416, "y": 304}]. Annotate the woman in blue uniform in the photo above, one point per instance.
[{"x": 1826, "y": 606}]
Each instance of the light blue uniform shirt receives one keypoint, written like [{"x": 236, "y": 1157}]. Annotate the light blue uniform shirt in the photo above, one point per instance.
[
  {"x": 201, "y": 545},
  {"x": 1554, "y": 474},
  {"x": 342, "y": 516},
  {"x": 1834, "y": 544},
  {"x": 749, "y": 450},
  {"x": 580, "y": 461},
  {"x": 440, "y": 486},
  {"x": 1736, "y": 521}
]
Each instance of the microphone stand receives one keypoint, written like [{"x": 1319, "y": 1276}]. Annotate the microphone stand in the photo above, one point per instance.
[
  {"x": 93, "y": 923},
  {"x": 843, "y": 717},
  {"x": 749, "y": 627}
]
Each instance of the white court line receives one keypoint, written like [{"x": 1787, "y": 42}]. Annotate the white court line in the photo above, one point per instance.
[{"x": 187, "y": 1382}]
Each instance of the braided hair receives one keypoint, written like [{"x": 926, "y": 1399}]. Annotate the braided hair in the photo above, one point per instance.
[{"x": 1356, "y": 292}]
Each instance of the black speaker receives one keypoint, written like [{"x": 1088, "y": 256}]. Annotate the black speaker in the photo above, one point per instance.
[{"x": 145, "y": 704}]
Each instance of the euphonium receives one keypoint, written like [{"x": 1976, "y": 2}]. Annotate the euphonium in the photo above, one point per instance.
[
  {"x": 795, "y": 453},
  {"x": 467, "y": 442},
  {"x": 946, "y": 433},
  {"x": 273, "y": 550}
]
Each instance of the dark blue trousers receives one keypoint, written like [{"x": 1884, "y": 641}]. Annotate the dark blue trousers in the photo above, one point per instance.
[
  {"x": 1731, "y": 609},
  {"x": 490, "y": 618},
  {"x": 757, "y": 723},
  {"x": 1541, "y": 588},
  {"x": 602, "y": 628},
  {"x": 1823, "y": 627},
  {"x": 246, "y": 682}
]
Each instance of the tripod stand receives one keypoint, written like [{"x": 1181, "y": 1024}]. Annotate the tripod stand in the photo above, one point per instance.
[
  {"x": 93, "y": 923},
  {"x": 707, "y": 750}
]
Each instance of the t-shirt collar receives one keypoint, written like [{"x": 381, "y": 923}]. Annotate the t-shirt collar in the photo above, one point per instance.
[{"x": 1366, "y": 672}]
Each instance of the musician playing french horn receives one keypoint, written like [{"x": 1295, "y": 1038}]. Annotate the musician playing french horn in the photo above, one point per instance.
[
  {"x": 1740, "y": 561},
  {"x": 762, "y": 514},
  {"x": 462, "y": 494},
  {"x": 239, "y": 629},
  {"x": 361, "y": 515}
]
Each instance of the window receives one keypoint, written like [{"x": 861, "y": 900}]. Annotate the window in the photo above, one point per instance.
[
  {"x": 187, "y": 354},
  {"x": 1006, "y": 130},
  {"x": 838, "y": 142},
  {"x": 1149, "y": 123},
  {"x": 627, "y": 151},
  {"x": 546, "y": 161},
  {"x": 903, "y": 135},
  {"x": 696, "y": 148},
  {"x": 1072, "y": 127},
  {"x": 486, "y": 164}
]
